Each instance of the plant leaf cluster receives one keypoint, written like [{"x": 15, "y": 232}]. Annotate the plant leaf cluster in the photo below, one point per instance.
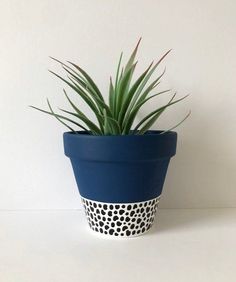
[{"x": 126, "y": 98}]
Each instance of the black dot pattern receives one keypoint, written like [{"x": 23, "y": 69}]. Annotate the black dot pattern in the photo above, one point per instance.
[{"x": 121, "y": 220}]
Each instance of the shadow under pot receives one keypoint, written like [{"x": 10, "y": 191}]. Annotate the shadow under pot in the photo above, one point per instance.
[{"x": 120, "y": 178}]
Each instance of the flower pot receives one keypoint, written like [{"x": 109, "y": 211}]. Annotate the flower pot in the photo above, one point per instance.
[{"x": 120, "y": 178}]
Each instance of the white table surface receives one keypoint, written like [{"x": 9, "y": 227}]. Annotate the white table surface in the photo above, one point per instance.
[{"x": 56, "y": 246}]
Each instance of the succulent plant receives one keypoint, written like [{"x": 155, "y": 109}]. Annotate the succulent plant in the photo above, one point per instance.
[{"x": 126, "y": 97}]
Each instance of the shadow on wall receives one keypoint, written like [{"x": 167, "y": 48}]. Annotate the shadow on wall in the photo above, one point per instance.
[
  {"x": 202, "y": 174},
  {"x": 172, "y": 220}
]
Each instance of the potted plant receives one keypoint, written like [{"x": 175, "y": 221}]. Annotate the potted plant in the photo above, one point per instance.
[{"x": 119, "y": 167}]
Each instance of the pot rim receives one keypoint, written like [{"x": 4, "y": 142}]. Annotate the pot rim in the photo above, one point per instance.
[
  {"x": 84, "y": 134},
  {"x": 150, "y": 146}
]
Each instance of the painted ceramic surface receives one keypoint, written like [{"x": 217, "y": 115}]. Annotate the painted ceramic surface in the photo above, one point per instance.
[{"x": 120, "y": 220}]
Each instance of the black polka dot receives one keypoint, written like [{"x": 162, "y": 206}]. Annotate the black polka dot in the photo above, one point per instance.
[
  {"x": 127, "y": 232},
  {"x": 121, "y": 212},
  {"x": 111, "y": 231}
]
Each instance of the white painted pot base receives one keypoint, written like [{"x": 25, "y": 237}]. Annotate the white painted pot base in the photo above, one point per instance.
[
  {"x": 120, "y": 219},
  {"x": 115, "y": 237}
]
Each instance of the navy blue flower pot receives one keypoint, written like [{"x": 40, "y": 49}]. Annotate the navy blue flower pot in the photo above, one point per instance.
[{"x": 120, "y": 178}]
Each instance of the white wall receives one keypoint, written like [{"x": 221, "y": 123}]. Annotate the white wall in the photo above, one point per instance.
[{"x": 34, "y": 173}]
